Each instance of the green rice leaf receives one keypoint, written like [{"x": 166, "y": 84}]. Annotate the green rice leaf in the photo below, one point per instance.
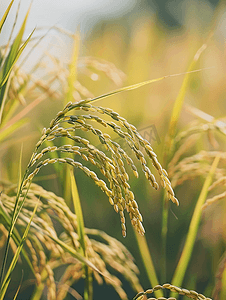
[
  {"x": 11, "y": 227},
  {"x": 193, "y": 228},
  {"x": 78, "y": 212},
  {"x": 5, "y": 15},
  {"x": 12, "y": 58},
  {"x": 81, "y": 232},
  {"x": 179, "y": 102},
  {"x": 7, "y": 277},
  {"x": 136, "y": 86},
  {"x": 5, "y": 220},
  {"x": 168, "y": 146}
]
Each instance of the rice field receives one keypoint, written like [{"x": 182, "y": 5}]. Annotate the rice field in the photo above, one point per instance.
[{"x": 112, "y": 170}]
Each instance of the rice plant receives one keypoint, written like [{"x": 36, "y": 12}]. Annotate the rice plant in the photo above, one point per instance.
[{"x": 46, "y": 232}]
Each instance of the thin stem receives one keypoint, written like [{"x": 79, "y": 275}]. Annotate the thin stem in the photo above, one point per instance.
[
  {"x": 38, "y": 291},
  {"x": 88, "y": 291},
  {"x": 148, "y": 263},
  {"x": 165, "y": 213}
]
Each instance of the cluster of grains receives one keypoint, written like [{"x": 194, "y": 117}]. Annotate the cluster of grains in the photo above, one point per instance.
[
  {"x": 46, "y": 255},
  {"x": 117, "y": 257},
  {"x": 221, "y": 182},
  {"x": 194, "y": 166},
  {"x": 200, "y": 128},
  {"x": 183, "y": 167},
  {"x": 111, "y": 164},
  {"x": 188, "y": 293}
]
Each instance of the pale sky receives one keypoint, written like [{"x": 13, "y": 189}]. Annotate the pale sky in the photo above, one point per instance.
[{"x": 68, "y": 14}]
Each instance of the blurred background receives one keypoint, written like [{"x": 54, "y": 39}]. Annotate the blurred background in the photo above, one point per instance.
[{"x": 141, "y": 40}]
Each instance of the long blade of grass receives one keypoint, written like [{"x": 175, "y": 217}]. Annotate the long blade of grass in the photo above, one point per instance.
[
  {"x": 3, "y": 97},
  {"x": 167, "y": 150},
  {"x": 137, "y": 85},
  {"x": 11, "y": 226},
  {"x": 5, "y": 219},
  {"x": 88, "y": 292},
  {"x": 14, "y": 24},
  {"x": 148, "y": 263},
  {"x": 12, "y": 60},
  {"x": 193, "y": 228},
  {"x": 16, "y": 211},
  {"x": 78, "y": 212},
  {"x": 179, "y": 102},
  {"x": 5, "y": 15},
  {"x": 14, "y": 54},
  {"x": 7, "y": 277},
  {"x": 12, "y": 30},
  {"x": 165, "y": 214},
  {"x": 14, "y": 48}
]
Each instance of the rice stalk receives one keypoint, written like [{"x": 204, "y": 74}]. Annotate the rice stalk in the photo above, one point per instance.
[{"x": 111, "y": 167}]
